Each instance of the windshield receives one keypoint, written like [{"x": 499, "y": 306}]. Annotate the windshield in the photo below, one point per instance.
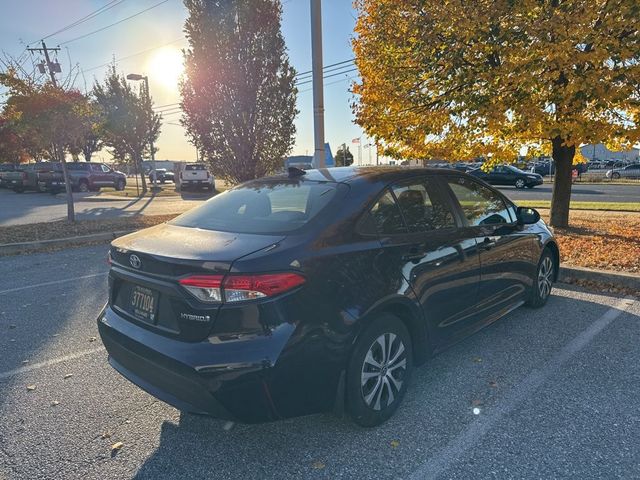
[{"x": 261, "y": 207}]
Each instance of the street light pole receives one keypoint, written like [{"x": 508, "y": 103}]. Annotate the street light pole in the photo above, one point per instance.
[{"x": 138, "y": 77}]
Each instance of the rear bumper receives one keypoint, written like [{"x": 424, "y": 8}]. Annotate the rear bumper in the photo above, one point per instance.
[
  {"x": 228, "y": 380},
  {"x": 196, "y": 183}
]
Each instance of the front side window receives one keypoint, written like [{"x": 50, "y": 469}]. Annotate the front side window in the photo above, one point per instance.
[
  {"x": 422, "y": 208},
  {"x": 480, "y": 205},
  {"x": 105, "y": 169}
]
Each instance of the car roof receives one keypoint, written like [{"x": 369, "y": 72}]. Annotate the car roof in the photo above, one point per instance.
[{"x": 352, "y": 175}]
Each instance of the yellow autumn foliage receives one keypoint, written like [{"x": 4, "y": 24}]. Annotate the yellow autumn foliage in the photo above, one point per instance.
[{"x": 455, "y": 79}]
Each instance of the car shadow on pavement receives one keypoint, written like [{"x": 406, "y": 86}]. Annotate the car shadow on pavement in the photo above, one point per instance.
[{"x": 475, "y": 374}]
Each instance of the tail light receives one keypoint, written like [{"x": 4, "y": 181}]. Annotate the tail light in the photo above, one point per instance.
[{"x": 239, "y": 288}]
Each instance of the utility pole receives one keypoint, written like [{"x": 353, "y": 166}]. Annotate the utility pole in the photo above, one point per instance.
[
  {"x": 59, "y": 149},
  {"x": 318, "y": 93},
  {"x": 52, "y": 67}
]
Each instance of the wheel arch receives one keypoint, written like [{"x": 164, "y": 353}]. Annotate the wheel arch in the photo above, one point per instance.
[
  {"x": 411, "y": 316},
  {"x": 552, "y": 246}
]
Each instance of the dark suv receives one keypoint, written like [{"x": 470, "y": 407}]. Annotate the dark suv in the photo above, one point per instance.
[
  {"x": 318, "y": 290},
  {"x": 85, "y": 177}
]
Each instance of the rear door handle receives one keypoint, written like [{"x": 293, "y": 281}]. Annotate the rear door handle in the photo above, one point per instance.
[{"x": 414, "y": 255}]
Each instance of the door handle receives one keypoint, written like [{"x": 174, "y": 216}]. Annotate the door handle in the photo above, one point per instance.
[
  {"x": 488, "y": 243},
  {"x": 414, "y": 255}
]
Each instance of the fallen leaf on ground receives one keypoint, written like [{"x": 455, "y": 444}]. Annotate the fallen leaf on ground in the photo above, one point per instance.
[
  {"x": 493, "y": 384},
  {"x": 395, "y": 443},
  {"x": 105, "y": 435},
  {"x": 55, "y": 403},
  {"x": 31, "y": 387},
  {"x": 68, "y": 375},
  {"x": 477, "y": 359},
  {"x": 318, "y": 465},
  {"x": 92, "y": 339},
  {"x": 115, "y": 448}
]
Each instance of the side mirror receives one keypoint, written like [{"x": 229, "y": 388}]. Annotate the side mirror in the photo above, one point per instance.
[{"x": 527, "y": 216}]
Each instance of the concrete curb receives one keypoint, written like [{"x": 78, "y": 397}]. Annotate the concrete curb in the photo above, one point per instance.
[
  {"x": 26, "y": 247},
  {"x": 622, "y": 279}
]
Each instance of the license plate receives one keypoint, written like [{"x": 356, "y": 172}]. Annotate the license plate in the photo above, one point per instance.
[{"x": 143, "y": 303}]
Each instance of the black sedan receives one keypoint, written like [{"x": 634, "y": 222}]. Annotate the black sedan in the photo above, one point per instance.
[
  {"x": 163, "y": 175},
  {"x": 508, "y": 175},
  {"x": 318, "y": 290}
]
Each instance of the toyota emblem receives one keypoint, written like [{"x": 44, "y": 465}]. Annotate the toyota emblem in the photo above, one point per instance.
[{"x": 135, "y": 261}]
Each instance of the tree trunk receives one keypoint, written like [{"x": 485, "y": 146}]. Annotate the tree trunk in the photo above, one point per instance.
[
  {"x": 561, "y": 197},
  {"x": 71, "y": 214}
]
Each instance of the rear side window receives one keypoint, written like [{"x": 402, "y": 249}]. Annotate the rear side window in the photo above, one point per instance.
[
  {"x": 386, "y": 215},
  {"x": 76, "y": 166},
  {"x": 481, "y": 206},
  {"x": 262, "y": 207},
  {"x": 195, "y": 167},
  {"x": 422, "y": 208}
]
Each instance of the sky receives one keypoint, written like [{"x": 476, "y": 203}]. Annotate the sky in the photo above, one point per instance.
[{"x": 158, "y": 33}]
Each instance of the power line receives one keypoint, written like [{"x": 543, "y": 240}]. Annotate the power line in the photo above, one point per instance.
[
  {"x": 326, "y": 66},
  {"x": 134, "y": 55},
  {"x": 115, "y": 23},
  {"x": 328, "y": 76},
  {"x": 95, "y": 13}
]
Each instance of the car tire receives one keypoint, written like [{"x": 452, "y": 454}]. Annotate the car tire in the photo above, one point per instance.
[
  {"x": 379, "y": 371},
  {"x": 520, "y": 183},
  {"x": 543, "y": 280},
  {"x": 615, "y": 175},
  {"x": 83, "y": 187},
  {"x": 18, "y": 190},
  {"x": 120, "y": 185}
]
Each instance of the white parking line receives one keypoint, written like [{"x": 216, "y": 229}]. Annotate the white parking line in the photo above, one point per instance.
[
  {"x": 55, "y": 282},
  {"x": 456, "y": 449},
  {"x": 48, "y": 363}
]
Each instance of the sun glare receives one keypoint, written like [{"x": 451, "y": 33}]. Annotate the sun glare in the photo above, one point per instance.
[{"x": 165, "y": 67}]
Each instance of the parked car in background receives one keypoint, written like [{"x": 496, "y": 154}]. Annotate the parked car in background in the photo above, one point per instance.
[
  {"x": 630, "y": 171},
  {"x": 194, "y": 176},
  {"x": 508, "y": 175},
  {"x": 4, "y": 168},
  {"x": 543, "y": 168},
  {"x": 25, "y": 177},
  {"x": 163, "y": 175},
  {"x": 84, "y": 176},
  {"x": 297, "y": 294}
]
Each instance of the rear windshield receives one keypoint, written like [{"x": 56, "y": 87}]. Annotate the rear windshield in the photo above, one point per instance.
[
  {"x": 263, "y": 208},
  {"x": 194, "y": 167}
]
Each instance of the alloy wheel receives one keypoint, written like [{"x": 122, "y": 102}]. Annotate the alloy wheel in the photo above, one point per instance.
[
  {"x": 519, "y": 183},
  {"x": 383, "y": 371},
  {"x": 545, "y": 276}
]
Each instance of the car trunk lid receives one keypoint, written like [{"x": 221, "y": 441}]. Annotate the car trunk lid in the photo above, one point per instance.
[{"x": 147, "y": 266}]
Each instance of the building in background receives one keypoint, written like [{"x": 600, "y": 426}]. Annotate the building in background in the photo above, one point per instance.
[{"x": 599, "y": 152}]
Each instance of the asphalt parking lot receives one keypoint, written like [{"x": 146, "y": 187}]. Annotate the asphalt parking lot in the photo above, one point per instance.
[{"x": 557, "y": 392}]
